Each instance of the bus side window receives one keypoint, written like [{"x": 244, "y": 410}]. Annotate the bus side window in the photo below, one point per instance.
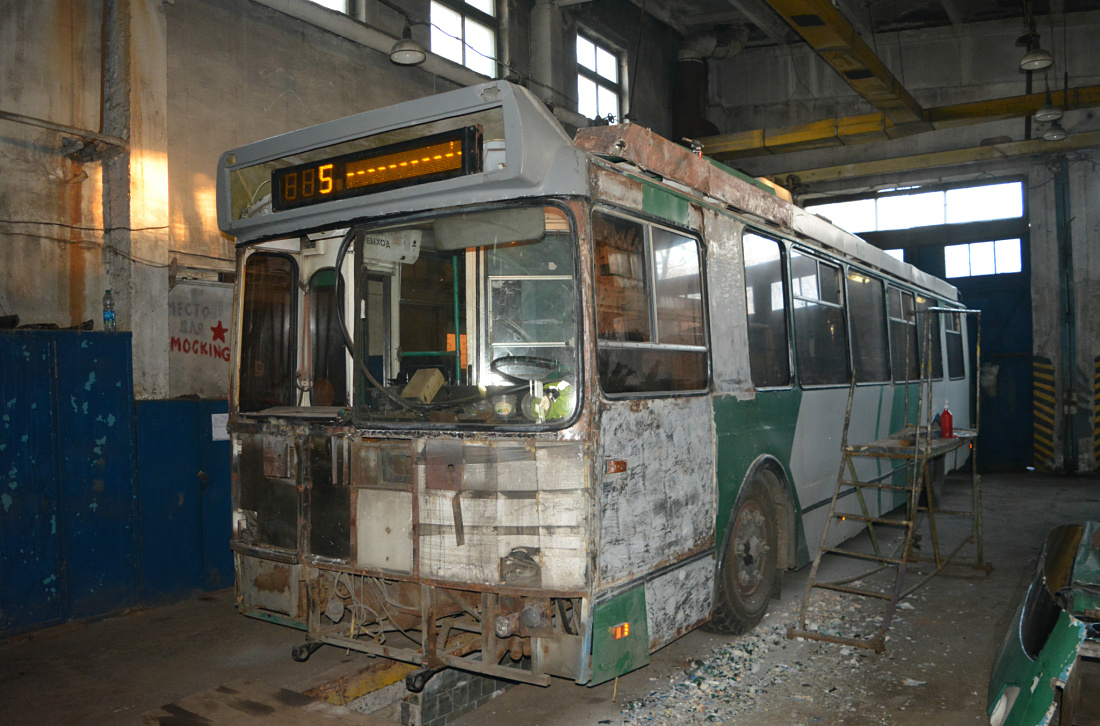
[
  {"x": 329, "y": 354},
  {"x": 954, "y": 346},
  {"x": 932, "y": 319},
  {"x": 766, "y": 302},
  {"x": 268, "y": 340},
  {"x": 867, "y": 318},
  {"x": 820, "y": 341},
  {"x": 903, "y": 336},
  {"x": 649, "y": 308}
]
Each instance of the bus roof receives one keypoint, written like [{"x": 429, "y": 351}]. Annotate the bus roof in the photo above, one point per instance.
[{"x": 528, "y": 154}]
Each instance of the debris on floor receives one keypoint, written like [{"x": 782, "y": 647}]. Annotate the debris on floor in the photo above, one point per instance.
[{"x": 763, "y": 670}]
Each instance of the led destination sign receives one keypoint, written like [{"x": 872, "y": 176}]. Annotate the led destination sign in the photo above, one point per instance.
[{"x": 427, "y": 159}]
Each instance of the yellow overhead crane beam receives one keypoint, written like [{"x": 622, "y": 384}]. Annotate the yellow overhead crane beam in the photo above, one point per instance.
[
  {"x": 829, "y": 33},
  {"x": 992, "y": 152},
  {"x": 870, "y": 127}
]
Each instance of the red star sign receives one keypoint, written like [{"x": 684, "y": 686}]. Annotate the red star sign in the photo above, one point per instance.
[{"x": 219, "y": 331}]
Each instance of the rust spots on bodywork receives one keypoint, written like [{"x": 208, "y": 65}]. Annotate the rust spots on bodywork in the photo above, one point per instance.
[
  {"x": 639, "y": 406},
  {"x": 278, "y": 580}
]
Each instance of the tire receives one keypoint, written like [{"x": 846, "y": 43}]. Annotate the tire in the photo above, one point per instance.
[{"x": 748, "y": 569}]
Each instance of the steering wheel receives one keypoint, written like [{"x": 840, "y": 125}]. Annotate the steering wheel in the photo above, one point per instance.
[{"x": 524, "y": 367}]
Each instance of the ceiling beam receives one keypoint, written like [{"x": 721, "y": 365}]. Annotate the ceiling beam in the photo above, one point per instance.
[
  {"x": 760, "y": 14},
  {"x": 830, "y": 34},
  {"x": 994, "y": 152},
  {"x": 854, "y": 13},
  {"x": 866, "y": 128}
]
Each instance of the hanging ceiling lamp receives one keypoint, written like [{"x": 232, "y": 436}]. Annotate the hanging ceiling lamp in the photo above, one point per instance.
[
  {"x": 407, "y": 52},
  {"x": 1055, "y": 132},
  {"x": 1048, "y": 111},
  {"x": 1036, "y": 58}
]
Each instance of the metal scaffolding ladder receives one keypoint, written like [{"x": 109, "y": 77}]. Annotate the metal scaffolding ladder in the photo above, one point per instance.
[{"x": 911, "y": 451}]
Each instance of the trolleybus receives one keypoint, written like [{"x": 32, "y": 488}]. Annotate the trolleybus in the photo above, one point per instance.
[{"x": 534, "y": 406}]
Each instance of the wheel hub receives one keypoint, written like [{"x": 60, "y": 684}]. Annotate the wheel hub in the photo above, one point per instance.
[{"x": 749, "y": 549}]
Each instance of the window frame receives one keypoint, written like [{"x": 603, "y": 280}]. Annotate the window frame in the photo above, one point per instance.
[
  {"x": 648, "y": 224},
  {"x": 785, "y": 280},
  {"x": 884, "y": 283},
  {"x": 618, "y": 87},
  {"x": 819, "y": 259},
  {"x": 467, "y": 11},
  {"x": 294, "y": 335},
  {"x": 340, "y": 292}
]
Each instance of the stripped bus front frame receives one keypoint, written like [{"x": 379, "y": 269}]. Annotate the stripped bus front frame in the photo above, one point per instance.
[{"x": 565, "y": 490}]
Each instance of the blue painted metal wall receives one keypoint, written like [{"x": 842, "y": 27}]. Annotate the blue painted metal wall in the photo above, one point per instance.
[
  {"x": 68, "y": 509},
  {"x": 184, "y": 483}
]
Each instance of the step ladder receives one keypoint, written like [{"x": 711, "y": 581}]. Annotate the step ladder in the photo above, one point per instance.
[{"x": 910, "y": 451}]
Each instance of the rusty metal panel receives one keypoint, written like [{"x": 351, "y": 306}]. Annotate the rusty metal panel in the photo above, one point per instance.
[
  {"x": 269, "y": 586},
  {"x": 653, "y": 153},
  {"x": 679, "y": 600},
  {"x": 662, "y": 507},
  {"x": 520, "y": 506}
]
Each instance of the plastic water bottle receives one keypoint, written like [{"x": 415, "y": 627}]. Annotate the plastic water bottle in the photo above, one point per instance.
[
  {"x": 109, "y": 312},
  {"x": 947, "y": 429}
]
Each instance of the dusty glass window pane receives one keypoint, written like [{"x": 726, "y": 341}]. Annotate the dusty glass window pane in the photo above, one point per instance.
[
  {"x": 607, "y": 65},
  {"x": 679, "y": 289},
  {"x": 629, "y": 359},
  {"x": 954, "y": 346},
  {"x": 485, "y": 6},
  {"x": 607, "y": 103},
  {"x": 867, "y": 313},
  {"x": 446, "y": 32},
  {"x": 586, "y": 98},
  {"x": 982, "y": 258},
  {"x": 854, "y": 217},
  {"x": 329, "y": 386},
  {"x": 993, "y": 201},
  {"x": 903, "y": 336},
  {"x": 821, "y": 346},
  {"x": 1007, "y": 254},
  {"x": 931, "y": 335},
  {"x": 337, "y": 5},
  {"x": 481, "y": 53},
  {"x": 910, "y": 210},
  {"x": 586, "y": 53},
  {"x": 622, "y": 307},
  {"x": 268, "y": 340},
  {"x": 956, "y": 260},
  {"x": 769, "y": 357}
]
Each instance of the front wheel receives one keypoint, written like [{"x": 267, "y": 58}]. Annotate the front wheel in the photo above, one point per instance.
[{"x": 748, "y": 572}]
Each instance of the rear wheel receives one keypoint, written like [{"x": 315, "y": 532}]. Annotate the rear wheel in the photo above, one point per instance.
[{"x": 747, "y": 576}]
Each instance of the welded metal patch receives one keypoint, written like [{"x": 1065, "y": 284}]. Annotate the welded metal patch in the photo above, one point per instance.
[
  {"x": 651, "y": 152},
  {"x": 725, "y": 287},
  {"x": 661, "y": 509},
  {"x": 679, "y": 600}
]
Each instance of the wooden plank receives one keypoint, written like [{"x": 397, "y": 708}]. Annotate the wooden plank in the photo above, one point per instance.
[{"x": 253, "y": 703}]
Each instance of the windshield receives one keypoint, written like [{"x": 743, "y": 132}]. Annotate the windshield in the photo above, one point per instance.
[{"x": 468, "y": 319}]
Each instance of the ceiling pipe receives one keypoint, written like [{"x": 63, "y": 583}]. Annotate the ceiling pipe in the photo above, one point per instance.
[{"x": 690, "y": 95}]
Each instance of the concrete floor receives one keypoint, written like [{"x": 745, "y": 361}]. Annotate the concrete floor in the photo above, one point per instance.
[{"x": 934, "y": 670}]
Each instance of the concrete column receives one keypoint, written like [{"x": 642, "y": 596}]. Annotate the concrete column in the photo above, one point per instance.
[
  {"x": 547, "y": 54},
  {"x": 136, "y": 184}
]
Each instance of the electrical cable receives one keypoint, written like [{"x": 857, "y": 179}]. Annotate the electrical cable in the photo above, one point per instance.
[
  {"x": 92, "y": 243},
  {"x": 78, "y": 227}
]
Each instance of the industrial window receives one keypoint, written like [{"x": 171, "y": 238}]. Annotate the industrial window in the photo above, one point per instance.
[
  {"x": 953, "y": 327},
  {"x": 867, "y": 316},
  {"x": 898, "y": 209},
  {"x": 897, "y": 254},
  {"x": 466, "y": 32},
  {"x": 983, "y": 258},
  {"x": 268, "y": 320},
  {"x": 329, "y": 385},
  {"x": 649, "y": 308},
  {"x": 903, "y": 335},
  {"x": 766, "y": 302},
  {"x": 598, "y": 84},
  {"x": 820, "y": 342}
]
